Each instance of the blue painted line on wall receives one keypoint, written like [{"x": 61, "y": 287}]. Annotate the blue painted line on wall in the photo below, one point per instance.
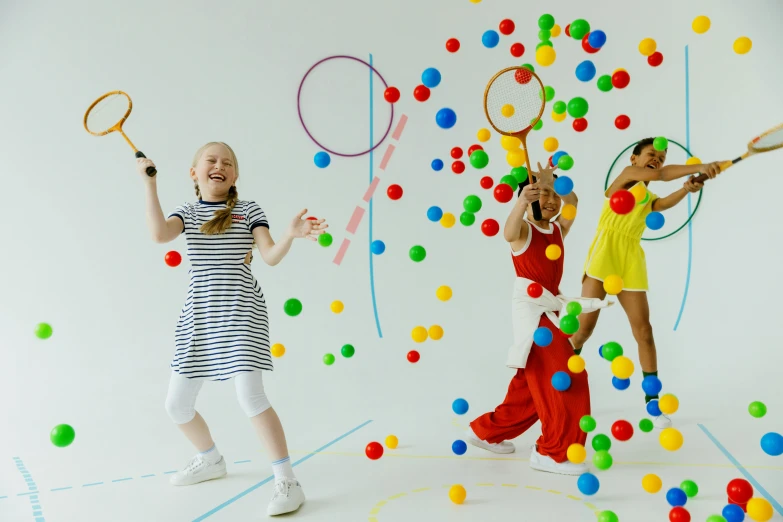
[{"x": 369, "y": 247}]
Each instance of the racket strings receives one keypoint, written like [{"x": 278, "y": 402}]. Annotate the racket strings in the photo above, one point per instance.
[
  {"x": 107, "y": 113},
  {"x": 770, "y": 141},
  {"x": 514, "y": 100}
]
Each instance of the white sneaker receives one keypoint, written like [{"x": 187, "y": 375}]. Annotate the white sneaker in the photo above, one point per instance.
[
  {"x": 500, "y": 447},
  {"x": 287, "y": 498},
  {"x": 662, "y": 421},
  {"x": 546, "y": 463},
  {"x": 199, "y": 470}
]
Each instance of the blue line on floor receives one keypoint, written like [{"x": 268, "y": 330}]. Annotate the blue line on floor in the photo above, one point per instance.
[
  {"x": 148, "y": 476},
  {"x": 122, "y": 479},
  {"x": 241, "y": 461},
  {"x": 92, "y": 484},
  {"x": 270, "y": 478},
  {"x": 37, "y": 512},
  {"x": 61, "y": 489}
]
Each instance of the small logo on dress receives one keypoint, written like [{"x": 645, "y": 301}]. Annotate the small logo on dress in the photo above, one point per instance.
[{"x": 237, "y": 217}]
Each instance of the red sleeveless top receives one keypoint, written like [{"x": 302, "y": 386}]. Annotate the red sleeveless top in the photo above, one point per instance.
[{"x": 531, "y": 262}]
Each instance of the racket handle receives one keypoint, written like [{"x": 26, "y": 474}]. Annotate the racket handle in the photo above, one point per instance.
[
  {"x": 537, "y": 211},
  {"x": 151, "y": 171},
  {"x": 701, "y": 178}
]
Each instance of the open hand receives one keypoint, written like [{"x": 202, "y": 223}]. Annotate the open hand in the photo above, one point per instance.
[
  {"x": 306, "y": 228},
  {"x": 544, "y": 176}
]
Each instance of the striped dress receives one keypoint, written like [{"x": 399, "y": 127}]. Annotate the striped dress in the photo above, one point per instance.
[{"x": 223, "y": 328}]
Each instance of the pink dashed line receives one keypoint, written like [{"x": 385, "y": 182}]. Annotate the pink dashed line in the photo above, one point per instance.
[
  {"x": 400, "y": 125},
  {"x": 386, "y": 156},
  {"x": 353, "y": 224},
  {"x": 341, "y": 252},
  {"x": 371, "y": 189}
]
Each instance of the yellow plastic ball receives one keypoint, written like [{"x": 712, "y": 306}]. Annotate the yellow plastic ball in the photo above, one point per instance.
[
  {"x": 618, "y": 69},
  {"x": 545, "y": 56},
  {"x": 551, "y": 144},
  {"x": 701, "y": 24},
  {"x": 555, "y": 31},
  {"x": 510, "y": 143},
  {"x": 670, "y": 439},
  {"x": 759, "y": 509},
  {"x": 457, "y": 494},
  {"x": 668, "y": 404},
  {"x": 693, "y": 160},
  {"x": 742, "y": 45},
  {"x": 639, "y": 192},
  {"x": 391, "y": 442},
  {"x": 576, "y": 364},
  {"x": 278, "y": 350},
  {"x": 568, "y": 211},
  {"x": 443, "y": 293},
  {"x": 507, "y": 110},
  {"x": 559, "y": 117},
  {"x": 647, "y": 46},
  {"x": 515, "y": 158},
  {"x": 652, "y": 483},
  {"x": 553, "y": 252},
  {"x": 419, "y": 334},
  {"x": 475, "y": 1},
  {"x": 337, "y": 306},
  {"x": 435, "y": 332},
  {"x": 483, "y": 135},
  {"x": 576, "y": 453},
  {"x": 448, "y": 220},
  {"x": 613, "y": 284},
  {"x": 622, "y": 367}
]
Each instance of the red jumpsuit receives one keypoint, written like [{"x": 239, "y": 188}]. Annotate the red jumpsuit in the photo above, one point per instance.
[{"x": 531, "y": 396}]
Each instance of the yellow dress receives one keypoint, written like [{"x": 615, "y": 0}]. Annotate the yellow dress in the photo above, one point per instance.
[{"x": 617, "y": 247}]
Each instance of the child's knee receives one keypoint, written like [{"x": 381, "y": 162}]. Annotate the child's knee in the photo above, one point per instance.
[
  {"x": 181, "y": 412},
  {"x": 643, "y": 333},
  {"x": 251, "y": 395}
]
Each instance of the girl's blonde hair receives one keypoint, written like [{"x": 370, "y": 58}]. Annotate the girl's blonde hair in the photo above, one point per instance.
[{"x": 222, "y": 220}]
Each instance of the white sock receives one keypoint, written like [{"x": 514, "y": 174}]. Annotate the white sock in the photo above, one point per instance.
[
  {"x": 282, "y": 469},
  {"x": 212, "y": 455}
]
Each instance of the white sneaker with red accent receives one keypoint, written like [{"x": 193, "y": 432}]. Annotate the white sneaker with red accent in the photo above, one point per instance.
[{"x": 499, "y": 447}]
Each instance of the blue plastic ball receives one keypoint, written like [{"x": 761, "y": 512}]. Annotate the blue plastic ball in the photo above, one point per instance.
[
  {"x": 446, "y": 118},
  {"x": 434, "y": 214},
  {"x": 588, "y": 484},
  {"x": 596, "y": 39},
  {"x": 437, "y": 164},
  {"x": 585, "y": 71},
  {"x": 490, "y": 39},
  {"x": 654, "y": 220},
  {"x": 460, "y": 406},
  {"x": 563, "y": 185},
  {"x": 601, "y": 351},
  {"x": 561, "y": 381},
  {"x": 676, "y": 497},
  {"x": 652, "y": 385},
  {"x": 459, "y": 447},
  {"x": 377, "y": 247},
  {"x": 733, "y": 513},
  {"x": 557, "y": 155},
  {"x": 772, "y": 444},
  {"x": 653, "y": 409},
  {"x": 542, "y": 336},
  {"x": 621, "y": 384},
  {"x": 322, "y": 159},
  {"x": 430, "y": 77}
]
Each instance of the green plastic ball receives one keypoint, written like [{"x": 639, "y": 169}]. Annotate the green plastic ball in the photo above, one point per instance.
[
  {"x": 602, "y": 442},
  {"x": 690, "y": 488},
  {"x": 529, "y": 67},
  {"x": 43, "y": 331},
  {"x": 602, "y": 460},
  {"x": 607, "y": 516},
  {"x": 546, "y": 22},
  {"x": 716, "y": 518},
  {"x": 559, "y": 107},
  {"x": 328, "y": 359},
  {"x": 472, "y": 204},
  {"x": 62, "y": 435},
  {"x": 509, "y": 180},
  {"x": 757, "y": 409},
  {"x": 605, "y": 83},
  {"x": 325, "y": 239},
  {"x": 543, "y": 43},
  {"x": 569, "y": 324},
  {"x": 347, "y": 351},
  {"x": 519, "y": 173},
  {"x": 577, "y": 107},
  {"x": 660, "y": 143},
  {"x": 573, "y": 308},
  {"x": 467, "y": 218},
  {"x": 550, "y": 92},
  {"x": 611, "y": 350},
  {"x": 565, "y": 162},
  {"x": 417, "y": 253},
  {"x": 544, "y": 34},
  {"x": 579, "y": 28},
  {"x": 587, "y": 423},
  {"x": 293, "y": 307},
  {"x": 646, "y": 425},
  {"x": 479, "y": 159},
  {"x": 538, "y": 125}
]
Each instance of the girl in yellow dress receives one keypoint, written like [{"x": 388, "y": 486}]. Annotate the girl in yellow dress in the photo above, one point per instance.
[{"x": 617, "y": 249}]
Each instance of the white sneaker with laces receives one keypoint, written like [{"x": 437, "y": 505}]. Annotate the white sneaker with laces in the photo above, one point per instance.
[
  {"x": 499, "y": 447},
  {"x": 288, "y": 497},
  {"x": 662, "y": 421},
  {"x": 199, "y": 470},
  {"x": 546, "y": 463}
]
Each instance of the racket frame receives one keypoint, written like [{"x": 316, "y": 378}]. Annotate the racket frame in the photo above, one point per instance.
[{"x": 750, "y": 152}]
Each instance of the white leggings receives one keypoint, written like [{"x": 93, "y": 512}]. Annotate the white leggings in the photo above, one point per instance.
[{"x": 181, "y": 399}]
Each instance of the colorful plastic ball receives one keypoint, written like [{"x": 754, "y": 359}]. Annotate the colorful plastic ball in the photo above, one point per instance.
[
  {"x": 519, "y": 173},
  {"x": 437, "y": 164},
  {"x": 671, "y": 439},
  {"x": 550, "y": 144},
  {"x": 336, "y": 306},
  {"x": 654, "y": 220},
  {"x": 546, "y": 22},
  {"x": 458, "y": 167},
  {"x": 483, "y": 135},
  {"x": 434, "y": 213},
  {"x": 596, "y": 39},
  {"x": 391, "y": 94},
  {"x": 553, "y": 252},
  {"x": 413, "y": 356},
  {"x": 522, "y": 76},
  {"x": 328, "y": 359},
  {"x": 322, "y": 159},
  {"x": 542, "y": 43},
  {"x": 679, "y": 514},
  {"x": 565, "y": 162},
  {"x": 653, "y": 409},
  {"x": 277, "y": 349},
  {"x": 772, "y": 444},
  {"x": 576, "y": 453},
  {"x": 421, "y": 93},
  {"x": 472, "y": 204},
  {"x": 558, "y": 117},
  {"x": 601, "y": 442},
  {"x": 459, "y": 406},
  {"x": 567, "y": 30},
  {"x": 448, "y": 220},
  {"x": 647, "y": 46},
  {"x": 172, "y": 258},
  {"x": 690, "y": 488},
  {"x": 374, "y": 451},
  {"x": 559, "y": 107},
  {"x": 700, "y": 25},
  {"x": 430, "y": 77},
  {"x": 676, "y": 497},
  {"x": 544, "y": 34},
  {"x": 561, "y": 381},
  {"x": 479, "y": 159},
  {"x": 585, "y": 71},
  {"x": 473, "y": 148},
  {"x": 569, "y": 324},
  {"x": 652, "y": 385},
  {"x": 577, "y": 107},
  {"x": 443, "y": 293},
  {"x": 452, "y": 45},
  {"x": 759, "y": 509},
  {"x": 646, "y": 425},
  {"x": 622, "y": 367},
  {"x": 613, "y": 284},
  {"x": 568, "y": 211},
  {"x": 392, "y": 442},
  {"x": 292, "y": 307},
  {"x": 586, "y": 47},
  {"x": 538, "y": 125},
  {"x": 545, "y": 56},
  {"x": 555, "y": 31},
  {"x": 490, "y": 227},
  {"x": 456, "y": 152},
  {"x": 655, "y": 59},
  {"x": 347, "y": 351},
  {"x": 62, "y": 435},
  {"x": 621, "y": 384},
  {"x": 457, "y": 494},
  {"x": 668, "y": 404},
  {"x": 588, "y": 484},
  {"x": 43, "y": 330},
  {"x": 757, "y": 409},
  {"x": 394, "y": 192},
  {"x": 742, "y": 45},
  {"x": 325, "y": 239},
  {"x": 576, "y": 364},
  {"x": 622, "y": 122},
  {"x": 622, "y": 430},
  {"x": 417, "y": 253},
  {"x": 509, "y": 180},
  {"x": 435, "y": 332},
  {"x": 490, "y": 39},
  {"x": 739, "y": 491},
  {"x": 604, "y": 83},
  {"x": 459, "y": 447},
  {"x": 486, "y": 182},
  {"x": 535, "y": 290},
  {"x": 587, "y": 423},
  {"x": 579, "y": 28},
  {"x": 621, "y": 79},
  {"x": 573, "y": 308},
  {"x": 506, "y": 27},
  {"x": 622, "y": 202},
  {"x": 612, "y": 350},
  {"x": 517, "y": 50},
  {"x": 602, "y": 460},
  {"x": 446, "y": 118},
  {"x": 377, "y": 247},
  {"x": 652, "y": 483},
  {"x": 467, "y": 218},
  {"x": 731, "y": 513},
  {"x": 580, "y": 124},
  {"x": 660, "y": 143},
  {"x": 542, "y": 336}
]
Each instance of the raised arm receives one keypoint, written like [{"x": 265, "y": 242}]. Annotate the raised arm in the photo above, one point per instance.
[
  {"x": 668, "y": 173},
  {"x": 162, "y": 230},
  {"x": 661, "y": 204}
]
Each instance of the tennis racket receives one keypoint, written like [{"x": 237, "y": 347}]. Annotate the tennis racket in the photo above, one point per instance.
[
  {"x": 521, "y": 89},
  {"x": 770, "y": 140},
  {"x": 107, "y": 114}
]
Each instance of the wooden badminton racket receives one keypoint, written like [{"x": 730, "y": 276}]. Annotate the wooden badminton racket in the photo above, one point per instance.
[{"x": 770, "y": 140}]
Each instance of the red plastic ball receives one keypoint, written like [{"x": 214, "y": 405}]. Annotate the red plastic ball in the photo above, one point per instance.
[
  {"x": 394, "y": 192},
  {"x": 374, "y": 450},
  {"x": 535, "y": 290},
  {"x": 580, "y": 124},
  {"x": 622, "y": 202},
  {"x": 473, "y": 148},
  {"x": 312, "y": 218},
  {"x": 458, "y": 167},
  {"x": 622, "y": 430},
  {"x": 517, "y": 50},
  {"x": 550, "y": 161},
  {"x": 503, "y": 193},
  {"x": 486, "y": 182},
  {"x": 490, "y": 227},
  {"x": 622, "y": 122},
  {"x": 456, "y": 152},
  {"x": 421, "y": 93},
  {"x": 586, "y": 45},
  {"x": 413, "y": 356},
  {"x": 506, "y": 26},
  {"x": 452, "y": 45},
  {"x": 523, "y": 76},
  {"x": 173, "y": 258},
  {"x": 655, "y": 59},
  {"x": 679, "y": 514},
  {"x": 621, "y": 79},
  {"x": 568, "y": 30},
  {"x": 740, "y": 491},
  {"x": 391, "y": 94}
]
